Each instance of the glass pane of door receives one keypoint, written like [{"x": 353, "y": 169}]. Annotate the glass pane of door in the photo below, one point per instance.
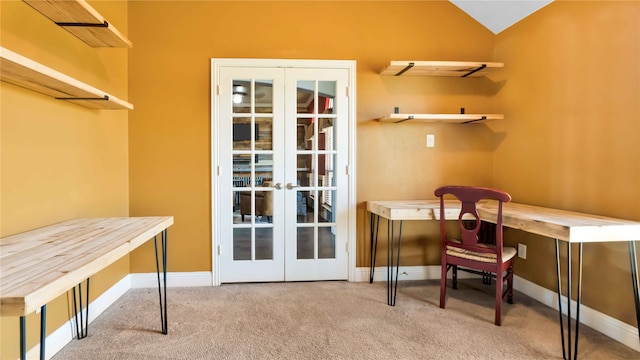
[
  {"x": 250, "y": 250},
  {"x": 314, "y": 230},
  {"x": 253, "y": 169},
  {"x": 315, "y": 100}
]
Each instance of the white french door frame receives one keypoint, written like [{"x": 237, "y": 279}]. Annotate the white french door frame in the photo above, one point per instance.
[{"x": 216, "y": 65}]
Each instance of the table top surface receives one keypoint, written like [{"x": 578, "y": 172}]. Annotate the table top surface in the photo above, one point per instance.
[
  {"x": 39, "y": 265},
  {"x": 559, "y": 224},
  {"x": 405, "y": 209}
]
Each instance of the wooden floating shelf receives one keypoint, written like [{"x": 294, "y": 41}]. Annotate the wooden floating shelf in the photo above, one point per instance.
[
  {"x": 21, "y": 71},
  {"x": 446, "y": 118},
  {"x": 80, "y": 19},
  {"x": 440, "y": 68}
]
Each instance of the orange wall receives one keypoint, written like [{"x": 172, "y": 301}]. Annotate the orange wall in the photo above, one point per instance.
[
  {"x": 569, "y": 93},
  {"x": 59, "y": 160},
  {"x": 571, "y": 103},
  {"x": 170, "y": 86}
]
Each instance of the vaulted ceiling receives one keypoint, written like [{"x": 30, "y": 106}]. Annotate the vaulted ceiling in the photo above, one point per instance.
[{"x": 497, "y": 15}]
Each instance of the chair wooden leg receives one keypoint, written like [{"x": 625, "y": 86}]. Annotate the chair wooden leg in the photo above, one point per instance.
[
  {"x": 499, "y": 284},
  {"x": 443, "y": 284}
]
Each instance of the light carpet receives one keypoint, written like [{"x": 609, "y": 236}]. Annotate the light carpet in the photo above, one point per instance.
[{"x": 331, "y": 320}]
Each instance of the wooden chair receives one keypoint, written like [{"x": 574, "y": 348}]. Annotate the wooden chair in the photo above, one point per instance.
[{"x": 467, "y": 253}]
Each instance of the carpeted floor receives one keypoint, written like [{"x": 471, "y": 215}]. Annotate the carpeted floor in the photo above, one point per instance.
[{"x": 331, "y": 320}]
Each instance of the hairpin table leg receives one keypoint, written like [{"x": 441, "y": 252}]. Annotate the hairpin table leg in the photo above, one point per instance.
[
  {"x": 392, "y": 288},
  {"x": 82, "y": 326},
  {"x": 566, "y": 350},
  {"x": 43, "y": 334},
  {"x": 43, "y": 330},
  {"x": 634, "y": 277},
  {"x": 374, "y": 225},
  {"x": 23, "y": 338},
  {"x": 163, "y": 297}
]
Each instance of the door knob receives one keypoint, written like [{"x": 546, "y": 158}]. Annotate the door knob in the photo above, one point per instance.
[
  {"x": 277, "y": 186},
  {"x": 291, "y": 186}
]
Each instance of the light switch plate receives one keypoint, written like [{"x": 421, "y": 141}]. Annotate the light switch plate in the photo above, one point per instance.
[
  {"x": 431, "y": 140},
  {"x": 522, "y": 251}
]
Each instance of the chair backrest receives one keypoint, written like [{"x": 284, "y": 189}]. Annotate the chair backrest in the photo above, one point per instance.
[{"x": 469, "y": 196}]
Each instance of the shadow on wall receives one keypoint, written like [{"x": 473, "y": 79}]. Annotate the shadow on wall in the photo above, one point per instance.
[{"x": 440, "y": 85}]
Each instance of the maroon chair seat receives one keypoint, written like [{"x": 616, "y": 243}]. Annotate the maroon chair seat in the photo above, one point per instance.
[{"x": 486, "y": 258}]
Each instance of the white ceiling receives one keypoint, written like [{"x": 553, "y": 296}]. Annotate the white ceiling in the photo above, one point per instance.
[{"x": 497, "y": 15}]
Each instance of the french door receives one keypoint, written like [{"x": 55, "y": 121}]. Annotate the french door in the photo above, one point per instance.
[{"x": 280, "y": 154}]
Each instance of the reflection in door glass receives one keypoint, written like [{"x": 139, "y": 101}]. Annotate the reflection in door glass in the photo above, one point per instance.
[
  {"x": 252, "y": 96},
  {"x": 304, "y": 130},
  {"x": 326, "y": 242},
  {"x": 264, "y": 243},
  {"x": 264, "y": 133},
  {"x": 302, "y": 209},
  {"x": 263, "y": 169},
  {"x": 305, "y": 96},
  {"x": 264, "y": 205},
  {"x": 242, "y": 208},
  {"x": 242, "y": 244},
  {"x": 241, "y": 96},
  {"x": 242, "y": 169},
  {"x": 311, "y": 102},
  {"x": 237, "y": 196},
  {"x": 325, "y": 126},
  {"x": 304, "y": 165},
  {"x": 306, "y": 208},
  {"x": 326, "y": 94},
  {"x": 242, "y": 133},
  {"x": 305, "y": 243},
  {"x": 263, "y": 96},
  {"x": 258, "y": 207}
]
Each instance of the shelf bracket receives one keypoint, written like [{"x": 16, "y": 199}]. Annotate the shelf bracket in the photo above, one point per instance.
[
  {"x": 475, "y": 70},
  {"x": 475, "y": 120},
  {"x": 106, "y": 97},
  {"x": 403, "y": 120},
  {"x": 104, "y": 24},
  {"x": 411, "y": 64}
]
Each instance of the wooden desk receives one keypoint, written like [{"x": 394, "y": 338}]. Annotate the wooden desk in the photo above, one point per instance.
[
  {"x": 405, "y": 209},
  {"x": 567, "y": 226},
  {"x": 39, "y": 265},
  {"x": 570, "y": 227}
]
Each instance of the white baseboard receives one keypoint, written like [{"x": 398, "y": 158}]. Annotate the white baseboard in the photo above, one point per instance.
[
  {"x": 430, "y": 272},
  {"x": 611, "y": 327},
  {"x": 404, "y": 273},
  {"x": 615, "y": 329},
  {"x": 174, "y": 279}
]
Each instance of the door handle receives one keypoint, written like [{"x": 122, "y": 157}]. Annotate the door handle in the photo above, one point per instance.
[
  {"x": 291, "y": 186},
  {"x": 277, "y": 186}
]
